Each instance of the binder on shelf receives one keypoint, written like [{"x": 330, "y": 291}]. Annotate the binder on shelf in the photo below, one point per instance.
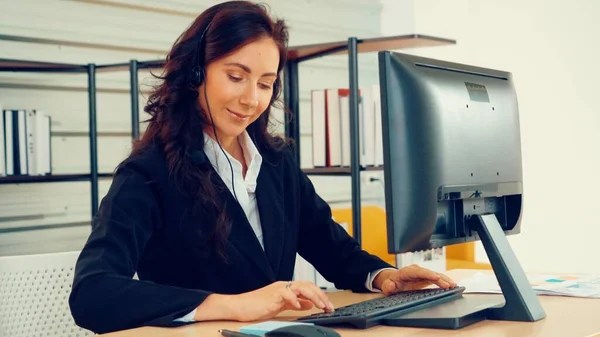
[
  {"x": 334, "y": 130},
  {"x": 344, "y": 102},
  {"x": 367, "y": 127},
  {"x": 2, "y": 146},
  {"x": 331, "y": 138},
  {"x": 378, "y": 127},
  {"x": 26, "y": 145},
  {"x": 31, "y": 141},
  {"x": 319, "y": 128},
  {"x": 8, "y": 142},
  {"x": 15, "y": 139},
  {"x": 47, "y": 133},
  {"x": 20, "y": 141},
  {"x": 43, "y": 143}
]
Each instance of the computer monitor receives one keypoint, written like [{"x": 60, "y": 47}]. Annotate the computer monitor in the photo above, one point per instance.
[
  {"x": 452, "y": 164},
  {"x": 452, "y": 148}
]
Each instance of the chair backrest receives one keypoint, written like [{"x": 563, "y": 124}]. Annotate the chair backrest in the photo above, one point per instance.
[{"x": 34, "y": 295}]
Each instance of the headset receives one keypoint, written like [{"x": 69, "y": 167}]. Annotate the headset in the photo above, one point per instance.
[{"x": 197, "y": 78}]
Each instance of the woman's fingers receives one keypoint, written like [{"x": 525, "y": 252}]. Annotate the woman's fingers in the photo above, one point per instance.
[
  {"x": 291, "y": 299},
  {"x": 305, "y": 304},
  {"x": 313, "y": 293},
  {"x": 417, "y": 273},
  {"x": 439, "y": 279},
  {"x": 448, "y": 280}
]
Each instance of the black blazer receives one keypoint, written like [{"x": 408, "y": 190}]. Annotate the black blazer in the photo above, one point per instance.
[{"x": 138, "y": 229}]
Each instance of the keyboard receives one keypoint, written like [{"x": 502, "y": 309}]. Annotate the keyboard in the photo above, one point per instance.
[{"x": 366, "y": 314}]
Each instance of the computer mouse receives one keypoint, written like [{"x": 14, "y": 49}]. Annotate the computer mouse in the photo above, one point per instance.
[{"x": 302, "y": 330}]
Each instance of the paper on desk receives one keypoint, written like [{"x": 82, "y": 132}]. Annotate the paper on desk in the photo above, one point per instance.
[{"x": 542, "y": 284}]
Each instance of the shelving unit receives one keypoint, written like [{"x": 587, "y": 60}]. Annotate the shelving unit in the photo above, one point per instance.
[
  {"x": 352, "y": 47},
  {"x": 296, "y": 55},
  {"x": 291, "y": 96},
  {"x": 7, "y": 65}
]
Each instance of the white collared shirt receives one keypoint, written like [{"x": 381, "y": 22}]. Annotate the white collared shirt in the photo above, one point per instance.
[{"x": 245, "y": 189}]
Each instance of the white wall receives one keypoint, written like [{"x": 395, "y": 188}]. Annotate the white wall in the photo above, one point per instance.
[
  {"x": 552, "y": 48},
  {"x": 116, "y": 31}
]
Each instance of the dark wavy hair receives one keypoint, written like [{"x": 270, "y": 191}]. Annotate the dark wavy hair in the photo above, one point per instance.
[{"x": 177, "y": 120}]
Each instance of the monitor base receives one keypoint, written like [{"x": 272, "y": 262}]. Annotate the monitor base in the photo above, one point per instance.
[
  {"x": 455, "y": 314},
  {"x": 518, "y": 301},
  {"x": 522, "y": 303}
]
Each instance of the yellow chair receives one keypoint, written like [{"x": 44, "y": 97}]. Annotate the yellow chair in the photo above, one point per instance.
[
  {"x": 374, "y": 231},
  {"x": 374, "y": 239},
  {"x": 462, "y": 256}
]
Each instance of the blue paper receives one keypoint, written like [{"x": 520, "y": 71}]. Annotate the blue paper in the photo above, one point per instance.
[{"x": 260, "y": 329}]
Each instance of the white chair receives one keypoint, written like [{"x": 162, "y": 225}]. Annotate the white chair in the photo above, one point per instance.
[{"x": 34, "y": 296}]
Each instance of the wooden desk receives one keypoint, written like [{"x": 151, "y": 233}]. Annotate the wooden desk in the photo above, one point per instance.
[{"x": 565, "y": 316}]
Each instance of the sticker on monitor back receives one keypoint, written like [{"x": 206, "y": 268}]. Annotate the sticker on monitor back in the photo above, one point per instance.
[{"x": 477, "y": 92}]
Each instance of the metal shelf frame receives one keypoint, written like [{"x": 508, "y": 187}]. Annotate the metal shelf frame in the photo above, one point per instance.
[{"x": 8, "y": 65}]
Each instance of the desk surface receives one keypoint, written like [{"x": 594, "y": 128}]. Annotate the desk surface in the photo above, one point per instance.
[{"x": 565, "y": 316}]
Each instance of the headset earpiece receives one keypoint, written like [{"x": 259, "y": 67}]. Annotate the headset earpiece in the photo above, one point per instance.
[{"x": 197, "y": 76}]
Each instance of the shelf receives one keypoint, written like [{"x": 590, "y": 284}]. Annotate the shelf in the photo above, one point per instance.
[
  {"x": 154, "y": 64},
  {"x": 113, "y": 67},
  {"x": 337, "y": 171},
  {"x": 300, "y": 53},
  {"x": 34, "y": 66},
  {"x": 151, "y": 64},
  {"x": 49, "y": 178}
]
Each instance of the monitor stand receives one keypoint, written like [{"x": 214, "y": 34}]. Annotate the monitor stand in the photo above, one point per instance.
[{"x": 519, "y": 302}]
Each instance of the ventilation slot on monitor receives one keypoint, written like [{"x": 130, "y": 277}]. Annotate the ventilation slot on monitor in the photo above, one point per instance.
[{"x": 462, "y": 71}]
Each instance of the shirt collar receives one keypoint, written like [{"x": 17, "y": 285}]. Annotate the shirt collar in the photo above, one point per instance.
[{"x": 219, "y": 161}]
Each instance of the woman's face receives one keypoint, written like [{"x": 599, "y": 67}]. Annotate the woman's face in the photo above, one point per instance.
[{"x": 239, "y": 87}]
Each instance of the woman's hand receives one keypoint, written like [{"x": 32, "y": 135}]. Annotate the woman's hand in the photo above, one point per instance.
[
  {"x": 268, "y": 301},
  {"x": 410, "y": 278}
]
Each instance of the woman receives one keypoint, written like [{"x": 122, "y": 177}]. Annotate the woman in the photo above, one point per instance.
[{"x": 210, "y": 209}]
